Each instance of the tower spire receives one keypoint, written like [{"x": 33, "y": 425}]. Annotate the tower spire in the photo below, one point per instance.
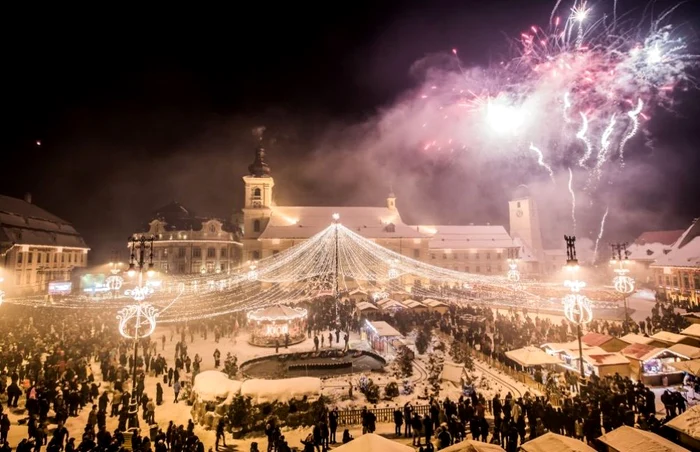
[{"x": 259, "y": 167}]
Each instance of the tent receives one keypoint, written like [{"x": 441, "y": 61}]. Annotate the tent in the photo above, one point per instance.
[
  {"x": 552, "y": 442},
  {"x": 632, "y": 439},
  {"x": 692, "y": 366},
  {"x": 532, "y": 356},
  {"x": 372, "y": 442},
  {"x": 473, "y": 446}
]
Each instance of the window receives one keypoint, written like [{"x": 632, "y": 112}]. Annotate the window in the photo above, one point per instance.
[
  {"x": 518, "y": 204},
  {"x": 223, "y": 252},
  {"x": 223, "y": 266},
  {"x": 181, "y": 252},
  {"x": 55, "y": 258},
  {"x": 478, "y": 269},
  {"x": 390, "y": 227},
  {"x": 181, "y": 266},
  {"x": 432, "y": 256},
  {"x": 488, "y": 256},
  {"x": 466, "y": 269},
  {"x": 211, "y": 252},
  {"x": 488, "y": 269},
  {"x": 70, "y": 258},
  {"x": 19, "y": 257},
  {"x": 686, "y": 281},
  {"x": 454, "y": 256},
  {"x": 63, "y": 257},
  {"x": 275, "y": 252},
  {"x": 416, "y": 253},
  {"x": 476, "y": 256},
  {"x": 256, "y": 255},
  {"x": 499, "y": 256},
  {"x": 257, "y": 194},
  {"x": 444, "y": 256},
  {"x": 29, "y": 257},
  {"x": 696, "y": 281},
  {"x": 256, "y": 226},
  {"x": 196, "y": 252},
  {"x": 38, "y": 258}
]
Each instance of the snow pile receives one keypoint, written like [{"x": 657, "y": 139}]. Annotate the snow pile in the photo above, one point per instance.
[
  {"x": 211, "y": 396},
  {"x": 261, "y": 391}
]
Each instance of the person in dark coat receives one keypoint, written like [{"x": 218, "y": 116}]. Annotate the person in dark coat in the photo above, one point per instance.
[
  {"x": 333, "y": 423},
  {"x": 427, "y": 428},
  {"x": 398, "y": 421}
]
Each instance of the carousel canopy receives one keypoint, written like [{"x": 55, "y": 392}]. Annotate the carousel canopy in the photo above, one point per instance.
[{"x": 278, "y": 312}]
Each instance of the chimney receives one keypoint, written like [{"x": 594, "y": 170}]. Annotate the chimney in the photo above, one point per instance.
[{"x": 28, "y": 197}]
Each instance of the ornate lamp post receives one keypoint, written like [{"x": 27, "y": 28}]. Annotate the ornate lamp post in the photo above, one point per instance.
[
  {"x": 138, "y": 321},
  {"x": 623, "y": 283},
  {"x": 513, "y": 274},
  {"x": 577, "y": 308}
]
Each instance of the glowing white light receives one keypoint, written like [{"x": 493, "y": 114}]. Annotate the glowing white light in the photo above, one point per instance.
[
  {"x": 376, "y": 296},
  {"x": 502, "y": 118},
  {"x": 581, "y": 135},
  {"x": 540, "y": 161},
  {"x": 623, "y": 284},
  {"x": 575, "y": 286},
  {"x": 336, "y": 216},
  {"x": 393, "y": 273},
  {"x": 2, "y": 296},
  {"x": 577, "y": 309},
  {"x": 139, "y": 293},
  {"x": 142, "y": 316},
  {"x": 114, "y": 282},
  {"x": 654, "y": 55},
  {"x": 513, "y": 272}
]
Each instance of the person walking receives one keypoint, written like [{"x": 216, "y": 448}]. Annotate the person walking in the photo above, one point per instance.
[{"x": 176, "y": 389}]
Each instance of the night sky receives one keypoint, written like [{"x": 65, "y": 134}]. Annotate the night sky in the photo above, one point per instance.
[{"x": 138, "y": 108}]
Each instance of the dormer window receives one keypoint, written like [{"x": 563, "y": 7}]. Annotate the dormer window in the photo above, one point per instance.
[{"x": 390, "y": 227}]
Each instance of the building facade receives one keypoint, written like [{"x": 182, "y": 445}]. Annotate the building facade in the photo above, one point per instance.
[
  {"x": 37, "y": 247},
  {"x": 485, "y": 249},
  {"x": 646, "y": 249},
  {"x": 677, "y": 272},
  {"x": 186, "y": 243}
]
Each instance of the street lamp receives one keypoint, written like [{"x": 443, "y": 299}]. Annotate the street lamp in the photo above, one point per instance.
[
  {"x": 577, "y": 308},
  {"x": 623, "y": 283},
  {"x": 137, "y": 321}
]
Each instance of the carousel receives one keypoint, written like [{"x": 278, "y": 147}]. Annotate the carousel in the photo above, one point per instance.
[{"x": 277, "y": 324}]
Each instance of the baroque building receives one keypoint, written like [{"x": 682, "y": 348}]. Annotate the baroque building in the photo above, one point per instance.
[
  {"x": 186, "y": 243},
  {"x": 37, "y": 247},
  {"x": 484, "y": 249}
]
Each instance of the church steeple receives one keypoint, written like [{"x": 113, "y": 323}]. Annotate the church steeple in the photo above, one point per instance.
[
  {"x": 391, "y": 199},
  {"x": 259, "y": 167}
]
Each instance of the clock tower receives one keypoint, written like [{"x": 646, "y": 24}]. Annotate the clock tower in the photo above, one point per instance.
[
  {"x": 257, "y": 207},
  {"x": 525, "y": 221}
]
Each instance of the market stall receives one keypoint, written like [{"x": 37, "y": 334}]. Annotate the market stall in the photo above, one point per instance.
[
  {"x": 380, "y": 336},
  {"x": 653, "y": 366}
]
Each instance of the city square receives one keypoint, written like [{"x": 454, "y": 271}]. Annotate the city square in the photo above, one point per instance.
[{"x": 387, "y": 286}]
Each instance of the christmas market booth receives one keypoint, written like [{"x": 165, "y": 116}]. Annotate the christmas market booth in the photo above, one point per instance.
[
  {"x": 653, "y": 366},
  {"x": 277, "y": 324},
  {"x": 383, "y": 337}
]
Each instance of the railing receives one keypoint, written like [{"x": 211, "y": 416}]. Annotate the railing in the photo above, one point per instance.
[{"x": 354, "y": 417}]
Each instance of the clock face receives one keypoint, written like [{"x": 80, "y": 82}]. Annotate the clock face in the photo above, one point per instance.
[{"x": 519, "y": 213}]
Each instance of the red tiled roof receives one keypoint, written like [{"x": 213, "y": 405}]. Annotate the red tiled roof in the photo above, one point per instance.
[
  {"x": 663, "y": 237},
  {"x": 595, "y": 339},
  {"x": 639, "y": 351}
]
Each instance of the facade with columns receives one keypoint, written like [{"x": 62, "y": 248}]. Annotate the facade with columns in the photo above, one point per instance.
[
  {"x": 36, "y": 247},
  {"x": 484, "y": 249}
]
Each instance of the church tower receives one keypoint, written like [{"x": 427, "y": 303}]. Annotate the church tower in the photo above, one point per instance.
[
  {"x": 525, "y": 221},
  {"x": 391, "y": 201},
  {"x": 258, "y": 204}
]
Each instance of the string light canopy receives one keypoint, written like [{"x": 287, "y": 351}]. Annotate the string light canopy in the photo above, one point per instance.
[{"x": 311, "y": 269}]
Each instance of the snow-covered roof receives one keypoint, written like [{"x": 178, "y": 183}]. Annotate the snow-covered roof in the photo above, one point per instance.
[
  {"x": 604, "y": 359},
  {"x": 688, "y": 422},
  {"x": 411, "y": 303},
  {"x": 667, "y": 336},
  {"x": 468, "y": 237},
  {"x": 688, "y": 351},
  {"x": 364, "y": 306},
  {"x": 641, "y": 352},
  {"x": 383, "y": 329},
  {"x": 433, "y": 303},
  {"x": 551, "y": 441},
  {"x": 470, "y": 445},
  {"x": 662, "y": 237},
  {"x": 531, "y": 356},
  {"x": 566, "y": 346},
  {"x": 691, "y": 366},
  {"x": 392, "y": 304},
  {"x": 357, "y": 291},
  {"x": 685, "y": 252},
  {"x": 277, "y": 312},
  {"x": 302, "y": 222},
  {"x": 651, "y": 245},
  {"x": 592, "y": 338},
  {"x": 692, "y": 331},
  {"x": 452, "y": 372},
  {"x": 24, "y": 223},
  {"x": 632, "y": 338},
  {"x": 626, "y": 438},
  {"x": 371, "y": 442}
]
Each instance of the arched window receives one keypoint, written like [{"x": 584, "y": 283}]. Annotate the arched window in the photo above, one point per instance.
[
  {"x": 257, "y": 194},
  {"x": 256, "y": 226},
  {"x": 212, "y": 228}
]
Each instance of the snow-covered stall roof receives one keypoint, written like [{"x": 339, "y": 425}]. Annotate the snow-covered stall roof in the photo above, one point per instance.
[
  {"x": 531, "y": 356},
  {"x": 566, "y": 346},
  {"x": 277, "y": 312},
  {"x": 358, "y": 292},
  {"x": 371, "y": 442},
  {"x": 261, "y": 391},
  {"x": 692, "y": 366},
  {"x": 604, "y": 359},
  {"x": 411, "y": 303},
  {"x": 626, "y": 438},
  {"x": 212, "y": 385},
  {"x": 688, "y": 351},
  {"x": 433, "y": 303},
  {"x": 552, "y": 442},
  {"x": 365, "y": 306},
  {"x": 383, "y": 329},
  {"x": 642, "y": 352},
  {"x": 452, "y": 372},
  {"x": 668, "y": 337},
  {"x": 688, "y": 422},
  {"x": 692, "y": 331},
  {"x": 392, "y": 305},
  {"x": 473, "y": 446},
  {"x": 595, "y": 339},
  {"x": 632, "y": 338}
]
